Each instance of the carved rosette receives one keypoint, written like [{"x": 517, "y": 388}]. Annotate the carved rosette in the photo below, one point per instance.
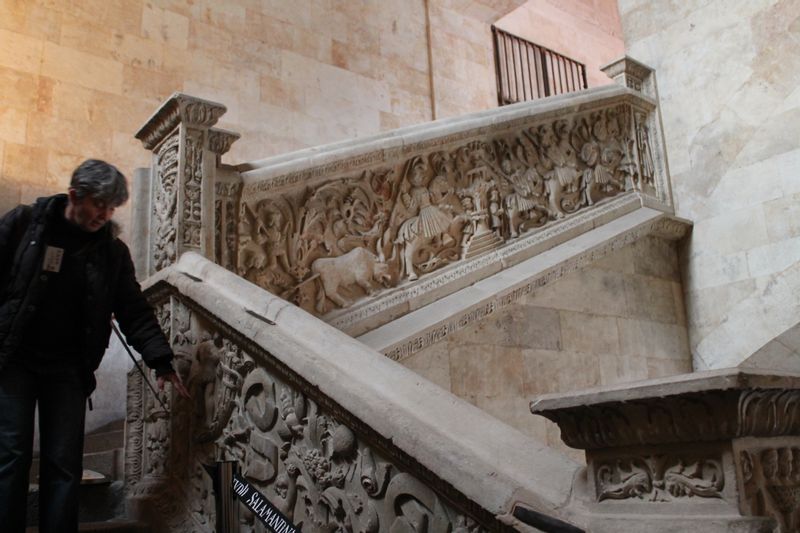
[
  {"x": 313, "y": 465},
  {"x": 327, "y": 243}
]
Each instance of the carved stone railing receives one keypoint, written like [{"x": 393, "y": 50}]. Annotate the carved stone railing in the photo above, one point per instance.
[
  {"x": 334, "y": 449},
  {"x": 721, "y": 443},
  {"x": 363, "y": 231}
]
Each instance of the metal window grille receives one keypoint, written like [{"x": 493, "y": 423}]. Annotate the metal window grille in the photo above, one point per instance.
[{"x": 527, "y": 71}]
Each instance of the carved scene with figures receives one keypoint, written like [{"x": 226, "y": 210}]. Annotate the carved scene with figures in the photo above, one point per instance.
[{"x": 436, "y": 208}]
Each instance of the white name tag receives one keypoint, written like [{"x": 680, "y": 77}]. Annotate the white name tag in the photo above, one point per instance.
[{"x": 52, "y": 259}]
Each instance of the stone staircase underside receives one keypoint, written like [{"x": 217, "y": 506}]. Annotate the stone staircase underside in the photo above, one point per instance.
[{"x": 434, "y": 321}]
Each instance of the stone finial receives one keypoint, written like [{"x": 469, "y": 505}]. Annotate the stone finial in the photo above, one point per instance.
[
  {"x": 179, "y": 108},
  {"x": 632, "y": 74}
]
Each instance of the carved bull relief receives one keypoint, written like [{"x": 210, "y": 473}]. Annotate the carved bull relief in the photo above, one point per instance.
[
  {"x": 315, "y": 469},
  {"x": 433, "y": 209}
]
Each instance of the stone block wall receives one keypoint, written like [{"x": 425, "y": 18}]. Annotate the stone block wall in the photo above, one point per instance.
[
  {"x": 78, "y": 78},
  {"x": 621, "y": 319},
  {"x": 728, "y": 74}
]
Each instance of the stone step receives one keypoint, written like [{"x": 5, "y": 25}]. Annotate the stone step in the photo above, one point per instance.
[
  {"x": 483, "y": 243},
  {"x": 107, "y": 437},
  {"x": 99, "y": 502},
  {"x": 110, "y": 463}
]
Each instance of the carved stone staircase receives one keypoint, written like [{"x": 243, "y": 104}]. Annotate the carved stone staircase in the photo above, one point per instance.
[{"x": 337, "y": 435}]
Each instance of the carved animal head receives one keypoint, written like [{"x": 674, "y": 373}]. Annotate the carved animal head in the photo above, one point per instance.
[{"x": 381, "y": 273}]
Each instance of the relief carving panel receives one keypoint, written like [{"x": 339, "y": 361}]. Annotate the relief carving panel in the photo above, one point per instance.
[
  {"x": 310, "y": 463},
  {"x": 769, "y": 483},
  {"x": 659, "y": 477},
  {"x": 165, "y": 203},
  {"x": 326, "y": 245}
]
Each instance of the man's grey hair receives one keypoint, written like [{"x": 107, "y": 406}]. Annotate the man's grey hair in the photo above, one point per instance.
[{"x": 100, "y": 180}]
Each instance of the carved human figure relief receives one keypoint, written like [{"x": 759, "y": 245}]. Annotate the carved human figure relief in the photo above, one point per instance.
[
  {"x": 410, "y": 213},
  {"x": 770, "y": 478}
]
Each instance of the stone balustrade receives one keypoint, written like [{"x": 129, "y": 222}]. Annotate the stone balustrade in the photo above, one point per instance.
[
  {"x": 361, "y": 232},
  {"x": 719, "y": 446},
  {"x": 274, "y": 389}
]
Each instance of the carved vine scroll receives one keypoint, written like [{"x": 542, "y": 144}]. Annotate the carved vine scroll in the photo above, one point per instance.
[
  {"x": 659, "y": 478},
  {"x": 325, "y": 245},
  {"x": 306, "y": 458}
]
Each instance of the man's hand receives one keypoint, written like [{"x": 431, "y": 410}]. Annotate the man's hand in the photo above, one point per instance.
[{"x": 176, "y": 381}]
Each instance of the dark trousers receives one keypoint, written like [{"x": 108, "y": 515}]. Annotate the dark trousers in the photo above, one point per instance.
[{"x": 62, "y": 411}]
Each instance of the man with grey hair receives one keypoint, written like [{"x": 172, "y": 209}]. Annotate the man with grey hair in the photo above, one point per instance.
[{"x": 63, "y": 274}]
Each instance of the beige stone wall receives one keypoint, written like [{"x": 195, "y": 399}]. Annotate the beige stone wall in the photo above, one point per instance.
[
  {"x": 78, "y": 77},
  {"x": 728, "y": 75},
  {"x": 619, "y": 320},
  {"x": 588, "y": 31}
]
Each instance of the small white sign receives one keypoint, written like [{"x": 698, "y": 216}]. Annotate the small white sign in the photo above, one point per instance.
[{"x": 52, "y": 259}]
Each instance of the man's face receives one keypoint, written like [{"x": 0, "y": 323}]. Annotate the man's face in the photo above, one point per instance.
[{"x": 88, "y": 213}]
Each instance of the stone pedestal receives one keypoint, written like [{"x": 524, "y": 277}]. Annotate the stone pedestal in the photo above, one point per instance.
[{"x": 721, "y": 443}]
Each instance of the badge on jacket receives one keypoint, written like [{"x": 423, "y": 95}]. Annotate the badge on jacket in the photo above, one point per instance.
[{"x": 52, "y": 259}]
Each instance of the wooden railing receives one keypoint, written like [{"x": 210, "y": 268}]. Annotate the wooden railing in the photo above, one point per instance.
[{"x": 527, "y": 71}]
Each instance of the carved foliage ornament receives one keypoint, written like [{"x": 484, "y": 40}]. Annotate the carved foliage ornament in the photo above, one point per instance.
[
  {"x": 312, "y": 467},
  {"x": 659, "y": 478},
  {"x": 192, "y": 186},
  {"x": 165, "y": 204},
  {"x": 435, "y": 209}
]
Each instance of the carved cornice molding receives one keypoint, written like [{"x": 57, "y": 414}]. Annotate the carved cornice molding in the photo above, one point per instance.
[
  {"x": 628, "y": 72},
  {"x": 220, "y": 141},
  {"x": 179, "y": 108},
  {"x": 753, "y": 405}
]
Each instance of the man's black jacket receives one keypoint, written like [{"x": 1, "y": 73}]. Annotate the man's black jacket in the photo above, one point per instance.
[{"x": 110, "y": 282}]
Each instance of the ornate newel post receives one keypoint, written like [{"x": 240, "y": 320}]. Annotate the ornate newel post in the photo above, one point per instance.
[
  {"x": 720, "y": 444},
  {"x": 186, "y": 158},
  {"x": 650, "y": 149}
]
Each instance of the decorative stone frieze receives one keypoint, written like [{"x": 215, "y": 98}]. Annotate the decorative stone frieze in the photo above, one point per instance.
[
  {"x": 727, "y": 436},
  {"x": 356, "y": 231},
  {"x": 186, "y": 154},
  {"x": 659, "y": 477}
]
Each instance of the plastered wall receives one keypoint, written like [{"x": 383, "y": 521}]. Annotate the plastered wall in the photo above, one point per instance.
[{"x": 728, "y": 73}]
